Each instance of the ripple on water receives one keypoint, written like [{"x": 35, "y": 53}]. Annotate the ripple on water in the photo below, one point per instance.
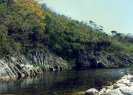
[{"x": 61, "y": 82}]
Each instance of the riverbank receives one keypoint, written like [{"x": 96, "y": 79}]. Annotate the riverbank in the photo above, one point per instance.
[
  {"x": 32, "y": 64},
  {"x": 65, "y": 82},
  {"x": 15, "y": 70},
  {"x": 19, "y": 66},
  {"x": 123, "y": 86}
]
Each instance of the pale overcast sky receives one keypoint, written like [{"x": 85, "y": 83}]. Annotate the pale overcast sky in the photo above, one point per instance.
[{"x": 111, "y": 14}]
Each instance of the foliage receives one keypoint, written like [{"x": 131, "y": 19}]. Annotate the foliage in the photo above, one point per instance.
[
  {"x": 42, "y": 68},
  {"x": 131, "y": 67},
  {"x": 26, "y": 26}
]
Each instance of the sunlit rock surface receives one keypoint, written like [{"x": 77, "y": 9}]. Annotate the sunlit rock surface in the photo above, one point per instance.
[
  {"x": 124, "y": 86},
  {"x": 30, "y": 64}
]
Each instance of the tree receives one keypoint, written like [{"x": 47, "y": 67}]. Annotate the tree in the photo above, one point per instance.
[
  {"x": 91, "y": 23},
  {"x": 113, "y": 33},
  {"x": 101, "y": 29},
  {"x": 31, "y": 10}
]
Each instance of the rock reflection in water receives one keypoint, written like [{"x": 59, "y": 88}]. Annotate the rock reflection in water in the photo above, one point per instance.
[{"x": 60, "y": 82}]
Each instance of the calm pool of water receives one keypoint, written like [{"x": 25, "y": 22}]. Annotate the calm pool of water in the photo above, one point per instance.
[{"x": 64, "y": 82}]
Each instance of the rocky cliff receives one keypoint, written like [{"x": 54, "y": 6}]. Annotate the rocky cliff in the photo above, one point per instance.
[
  {"x": 33, "y": 64},
  {"x": 15, "y": 70},
  {"x": 47, "y": 60},
  {"x": 104, "y": 59},
  {"x": 37, "y": 62}
]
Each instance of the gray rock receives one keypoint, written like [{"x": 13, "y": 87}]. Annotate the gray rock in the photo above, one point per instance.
[
  {"x": 131, "y": 79},
  {"x": 20, "y": 65},
  {"x": 14, "y": 70},
  {"x": 92, "y": 91},
  {"x": 126, "y": 82},
  {"x": 127, "y": 90},
  {"x": 13, "y": 58},
  {"x": 48, "y": 60},
  {"x": 103, "y": 90},
  {"x": 119, "y": 85},
  {"x": 103, "y": 59},
  {"x": 130, "y": 84},
  {"x": 129, "y": 76},
  {"x": 114, "y": 92}
]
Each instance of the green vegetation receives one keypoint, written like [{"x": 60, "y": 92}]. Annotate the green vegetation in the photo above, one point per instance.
[
  {"x": 126, "y": 71},
  {"x": 26, "y": 26},
  {"x": 131, "y": 69}
]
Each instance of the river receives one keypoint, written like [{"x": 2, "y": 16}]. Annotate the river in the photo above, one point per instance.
[{"x": 66, "y": 82}]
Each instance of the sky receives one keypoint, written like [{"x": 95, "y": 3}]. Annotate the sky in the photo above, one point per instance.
[{"x": 111, "y": 14}]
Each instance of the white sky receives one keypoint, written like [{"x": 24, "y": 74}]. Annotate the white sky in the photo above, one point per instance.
[{"x": 111, "y": 14}]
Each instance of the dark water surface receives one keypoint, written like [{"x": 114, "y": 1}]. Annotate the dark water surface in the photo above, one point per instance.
[{"x": 65, "y": 82}]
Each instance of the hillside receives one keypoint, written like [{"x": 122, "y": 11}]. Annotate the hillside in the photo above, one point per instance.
[{"x": 27, "y": 27}]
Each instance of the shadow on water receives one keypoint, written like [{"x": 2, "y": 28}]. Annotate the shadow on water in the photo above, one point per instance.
[{"x": 61, "y": 82}]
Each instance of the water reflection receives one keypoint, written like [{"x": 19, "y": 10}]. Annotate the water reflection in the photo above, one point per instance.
[{"x": 60, "y": 82}]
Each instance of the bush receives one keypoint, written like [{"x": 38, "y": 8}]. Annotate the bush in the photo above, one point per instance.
[{"x": 42, "y": 68}]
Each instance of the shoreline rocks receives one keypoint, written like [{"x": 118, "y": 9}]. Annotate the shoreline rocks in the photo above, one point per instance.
[
  {"x": 15, "y": 70},
  {"x": 92, "y": 91},
  {"x": 19, "y": 66},
  {"x": 123, "y": 86}
]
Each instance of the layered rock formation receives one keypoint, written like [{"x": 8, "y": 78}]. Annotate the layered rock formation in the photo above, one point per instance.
[
  {"x": 33, "y": 64},
  {"x": 48, "y": 60},
  {"x": 104, "y": 59},
  {"x": 37, "y": 62},
  {"x": 15, "y": 70}
]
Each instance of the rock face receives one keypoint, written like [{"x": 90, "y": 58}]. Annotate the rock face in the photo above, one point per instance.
[
  {"x": 103, "y": 59},
  {"x": 48, "y": 60},
  {"x": 21, "y": 65},
  {"x": 12, "y": 70}
]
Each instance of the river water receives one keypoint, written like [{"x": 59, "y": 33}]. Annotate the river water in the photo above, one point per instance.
[{"x": 65, "y": 82}]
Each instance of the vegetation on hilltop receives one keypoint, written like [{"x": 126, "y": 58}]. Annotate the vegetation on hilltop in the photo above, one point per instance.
[{"x": 26, "y": 26}]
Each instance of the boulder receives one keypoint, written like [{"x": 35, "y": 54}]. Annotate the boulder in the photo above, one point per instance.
[
  {"x": 109, "y": 87},
  {"x": 92, "y": 91},
  {"x": 125, "y": 77},
  {"x": 102, "y": 91},
  {"x": 129, "y": 76},
  {"x": 131, "y": 79},
  {"x": 119, "y": 85},
  {"x": 121, "y": 81},
  {"x": 108, "y": 90},
  {"x": 114, "y": 92},
  {"x": 127, "y": 90},
  {"x": 130, "y": 84},
  {"x": 126, "y": 82}
]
